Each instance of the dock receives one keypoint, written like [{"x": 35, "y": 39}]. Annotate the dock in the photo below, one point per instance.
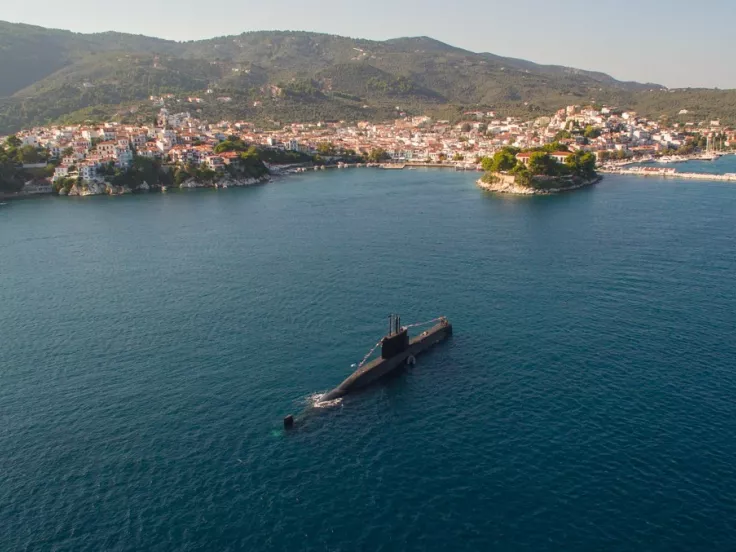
[{"x": 669, "y": 172}]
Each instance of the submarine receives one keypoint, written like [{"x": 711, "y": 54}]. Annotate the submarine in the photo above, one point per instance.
[{"x": 397, "y": 349}]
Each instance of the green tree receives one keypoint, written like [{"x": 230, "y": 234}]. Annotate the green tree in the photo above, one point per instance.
[
  {"x": 502, "y": 161},
  {"x": 248, "y": 164},
  {"x": 377, "y": 155},
  {"x": 524, "y": 176},
  {"x": 554, "y": 146},
  {"x": 64, "y": 184},
  {"x": 13, "y": 142},
  {"x": 11, "y": 177},
  {"x": 685, "y": 149},
  {"x": 540, "y": 163},
  {"x": 326, "y": 149},
  {"x": 581, "y": 163},
  {"x": 28, "y": 155},
  {"x": 180, "y": 176},
  {"x": 231, "y": 144},
  {"x": 466, "y": 127},
  {"x": 591, "y": 132}
]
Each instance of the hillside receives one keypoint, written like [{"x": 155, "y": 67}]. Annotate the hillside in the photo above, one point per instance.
[{"x": 50, "y": 74}]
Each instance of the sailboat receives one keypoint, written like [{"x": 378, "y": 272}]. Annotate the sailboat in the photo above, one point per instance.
[{"x": 710, "y": 151}]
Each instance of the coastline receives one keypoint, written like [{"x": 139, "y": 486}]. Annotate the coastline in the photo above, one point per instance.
[
  {"x": 663, "y": 172},
  {"x": 502, "y": 187},
  {"x": 104, "y": 188},
  {"x": 97, "y": 188}
]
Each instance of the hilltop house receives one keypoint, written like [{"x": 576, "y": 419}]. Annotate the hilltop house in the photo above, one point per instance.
[{"x": 559, "y": 156}]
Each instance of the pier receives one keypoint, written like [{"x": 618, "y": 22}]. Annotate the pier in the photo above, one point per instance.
[{"x": 671, "y": 173}]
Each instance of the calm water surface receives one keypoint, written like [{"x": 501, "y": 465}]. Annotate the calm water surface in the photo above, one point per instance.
[{"x": 150, "y": 346}]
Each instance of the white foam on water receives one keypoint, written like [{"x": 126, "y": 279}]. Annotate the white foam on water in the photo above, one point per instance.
[{"x": 317, "y": 402}]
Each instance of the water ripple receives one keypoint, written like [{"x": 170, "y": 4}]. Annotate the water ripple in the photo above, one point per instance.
[{"x": 585, "y": 401}]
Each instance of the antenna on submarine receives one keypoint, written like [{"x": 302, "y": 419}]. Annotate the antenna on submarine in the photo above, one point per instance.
[{"x": 394, "y": 324}]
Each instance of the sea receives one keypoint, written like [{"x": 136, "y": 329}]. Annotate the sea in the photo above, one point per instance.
[{"x": 150, "y": 346}]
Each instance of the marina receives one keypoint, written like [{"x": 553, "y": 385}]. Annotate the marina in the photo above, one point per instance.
[{"x": 699, "y": 167}]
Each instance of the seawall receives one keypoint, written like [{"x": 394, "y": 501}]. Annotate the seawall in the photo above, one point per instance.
[{"x": 671, "y": 173}]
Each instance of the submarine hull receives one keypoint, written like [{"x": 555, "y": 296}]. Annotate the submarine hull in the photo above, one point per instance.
[{"x": 381, "y": 367}]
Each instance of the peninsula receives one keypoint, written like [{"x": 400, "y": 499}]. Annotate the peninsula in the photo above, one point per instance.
[{"x": 546, "y": 170}]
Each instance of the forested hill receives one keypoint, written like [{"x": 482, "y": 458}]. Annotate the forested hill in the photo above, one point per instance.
[{"x": 50, "y": 74}]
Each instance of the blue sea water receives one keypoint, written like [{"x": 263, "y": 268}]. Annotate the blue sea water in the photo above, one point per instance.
[{"x": 150, "y": 346}]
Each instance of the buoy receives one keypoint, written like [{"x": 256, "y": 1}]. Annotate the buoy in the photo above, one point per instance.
[
  {"x": 289, "y": 422},
  {"x": 411, "y": 361}
]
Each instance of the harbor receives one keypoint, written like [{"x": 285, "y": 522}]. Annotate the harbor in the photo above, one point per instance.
[{"x": 722, "y": 168}]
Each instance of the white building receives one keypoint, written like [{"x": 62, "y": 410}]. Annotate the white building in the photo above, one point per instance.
[
  {"x": 30, "y": 140},
  {"x": 62, "y": 171},
  {"x": 124, "y": 156},
  {"x": 214, "y": 162},
  {"x": 106, "y": 149},
  {"x": 88, "y": 171},
  {"x": 37, "y": 187}
]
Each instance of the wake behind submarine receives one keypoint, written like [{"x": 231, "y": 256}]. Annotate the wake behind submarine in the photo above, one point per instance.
[{"x": 397, "y": 349}]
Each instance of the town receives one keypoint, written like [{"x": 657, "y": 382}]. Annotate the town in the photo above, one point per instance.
[{"x": 80, "y": 160}]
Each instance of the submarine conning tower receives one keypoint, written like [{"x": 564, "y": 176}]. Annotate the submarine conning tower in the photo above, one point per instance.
[{"x": 397, "y": 339}]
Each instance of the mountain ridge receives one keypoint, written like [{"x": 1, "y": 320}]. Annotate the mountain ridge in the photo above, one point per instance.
[{"x": 52, "y": 73}]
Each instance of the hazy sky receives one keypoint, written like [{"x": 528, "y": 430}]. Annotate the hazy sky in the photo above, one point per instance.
[{"x": 671, "y": 42}]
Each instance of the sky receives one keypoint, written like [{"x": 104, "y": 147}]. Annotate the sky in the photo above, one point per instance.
[{"x": 676, "y": 43}]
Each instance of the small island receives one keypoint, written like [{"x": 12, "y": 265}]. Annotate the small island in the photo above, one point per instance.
[{"x": 547, "y": 170}]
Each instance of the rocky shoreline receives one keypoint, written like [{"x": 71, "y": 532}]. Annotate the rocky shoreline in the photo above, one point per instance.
[
  {"x": 507, "y": 187},
  {"x": 105, "y": 188}
]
